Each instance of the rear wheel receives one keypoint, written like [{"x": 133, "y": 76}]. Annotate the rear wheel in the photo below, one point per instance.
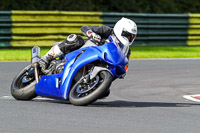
[
  {"x": 23, "y": 85},
  {"x": 84, "y": 93}
]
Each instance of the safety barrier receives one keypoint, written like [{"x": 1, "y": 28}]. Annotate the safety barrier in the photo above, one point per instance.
[
  {"x": 194, "y": 30},
  {"x": 155, "y": 29},
  {"x": 43, "y": 28}
]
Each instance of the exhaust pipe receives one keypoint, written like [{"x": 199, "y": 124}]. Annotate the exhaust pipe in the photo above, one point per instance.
[{"x": 35, "y": 58}]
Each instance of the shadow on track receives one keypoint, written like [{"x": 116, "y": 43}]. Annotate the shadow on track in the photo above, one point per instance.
[
  {"x": 130, "y": 104},
  {"x": 122, "y": 104}
]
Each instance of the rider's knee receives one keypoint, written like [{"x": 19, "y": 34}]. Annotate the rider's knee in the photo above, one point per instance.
[{"x": 72, "y": 42}]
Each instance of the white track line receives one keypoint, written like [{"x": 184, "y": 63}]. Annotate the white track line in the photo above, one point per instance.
[
  {"x": 192, "y": 97},
  {"x": 37, "y": 98},
  {"x": 6, "y": 97}
]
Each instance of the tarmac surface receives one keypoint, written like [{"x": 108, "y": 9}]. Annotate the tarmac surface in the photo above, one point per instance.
[{"x": 149, "y": 100}]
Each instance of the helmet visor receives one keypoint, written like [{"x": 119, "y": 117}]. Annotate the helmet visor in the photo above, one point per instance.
[
  {"x": 128, "y": 35},
  {"x": 123, "y": 47}
]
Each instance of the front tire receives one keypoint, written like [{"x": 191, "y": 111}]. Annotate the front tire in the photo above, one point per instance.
[
  {"x": 85, "y": 93},
  {"x": 21, "y": 88}
]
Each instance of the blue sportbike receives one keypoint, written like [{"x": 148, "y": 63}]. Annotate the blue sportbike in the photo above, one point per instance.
[{"x": 81, "y": 77}]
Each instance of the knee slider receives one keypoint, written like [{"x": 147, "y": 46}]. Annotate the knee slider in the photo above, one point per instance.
[
  {"x": 74, "y": 39},
  {"x": 72, "y": 43}
]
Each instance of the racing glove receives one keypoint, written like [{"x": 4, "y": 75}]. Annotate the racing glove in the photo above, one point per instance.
[{"x": 93, "y": 36}]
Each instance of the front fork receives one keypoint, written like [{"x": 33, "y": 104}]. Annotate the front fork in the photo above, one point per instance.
[
  {"x": 93, "y": 73},
  {"x": 96, "y": 70}
]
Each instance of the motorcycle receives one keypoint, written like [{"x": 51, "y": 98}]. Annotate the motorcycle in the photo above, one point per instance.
[{"x": 80, "y": 77}]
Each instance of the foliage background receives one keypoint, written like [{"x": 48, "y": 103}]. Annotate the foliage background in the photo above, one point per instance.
[{"x": 136, "y": 6}]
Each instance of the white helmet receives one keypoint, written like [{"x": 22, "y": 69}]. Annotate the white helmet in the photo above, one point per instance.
[{"x": 125, "y": 30}]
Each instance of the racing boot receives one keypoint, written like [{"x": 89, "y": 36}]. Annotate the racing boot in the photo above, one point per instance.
[{"x": 53, "y": 53}]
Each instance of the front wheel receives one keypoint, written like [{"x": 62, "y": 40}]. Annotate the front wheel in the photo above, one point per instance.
[
  {"x": 23, "y": 85},
  {"x": 84, "y": 93}
]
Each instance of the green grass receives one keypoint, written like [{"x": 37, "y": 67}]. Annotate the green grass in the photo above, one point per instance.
[
  {"x": 137, "y": 52},
  {"x": 18, "y": 54},
  {"x": 165, "y": 52}
]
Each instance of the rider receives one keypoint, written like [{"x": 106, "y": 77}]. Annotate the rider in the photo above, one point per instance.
[{"x": 124, "y": 33}]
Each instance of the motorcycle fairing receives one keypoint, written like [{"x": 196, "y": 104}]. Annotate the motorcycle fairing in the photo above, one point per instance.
[
  {"x": 47, "y": 84},
  {"x": 58, "y": 85}
]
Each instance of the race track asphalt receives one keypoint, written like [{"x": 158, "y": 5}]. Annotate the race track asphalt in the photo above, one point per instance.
[{"x": 149, "y": 100}]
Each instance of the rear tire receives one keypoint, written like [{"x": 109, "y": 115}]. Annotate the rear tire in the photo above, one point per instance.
[
  {"x": 84, "y": 97},
  {"x": 21, "y": 90}
]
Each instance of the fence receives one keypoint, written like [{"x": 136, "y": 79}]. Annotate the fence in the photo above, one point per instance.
[{"x": 42, "y": 28}]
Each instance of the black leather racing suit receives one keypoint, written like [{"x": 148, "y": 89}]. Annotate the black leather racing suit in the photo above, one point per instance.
[{"x": 74, "y": 42}]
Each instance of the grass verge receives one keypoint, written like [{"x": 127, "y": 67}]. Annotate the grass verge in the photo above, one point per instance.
[
  {"x": 18, "y": 54},
  {"x": 137, "y": 52},
  {"x": 165, "y": 52}
]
